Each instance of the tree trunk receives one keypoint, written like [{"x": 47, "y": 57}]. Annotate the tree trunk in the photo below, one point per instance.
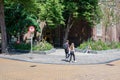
[
  {"x": 42, "y": 24},
  {"x": 66, "y": 34},
  {"x": 69, "y": 25},
  {"x": 3, "y": 27}
]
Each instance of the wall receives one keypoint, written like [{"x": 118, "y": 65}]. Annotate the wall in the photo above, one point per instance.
[{"x": 109, "y": 34}]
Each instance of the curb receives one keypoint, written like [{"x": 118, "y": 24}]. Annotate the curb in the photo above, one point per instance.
[{"x": 28, "y": 51}]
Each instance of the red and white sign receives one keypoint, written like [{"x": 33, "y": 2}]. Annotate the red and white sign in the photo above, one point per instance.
[{"x": 31, "y": 28}]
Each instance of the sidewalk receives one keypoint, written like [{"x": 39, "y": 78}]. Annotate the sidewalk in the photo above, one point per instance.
[{"x": 58, "y": 57}]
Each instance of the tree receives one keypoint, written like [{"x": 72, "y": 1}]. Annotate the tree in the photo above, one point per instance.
[
  {"x": 29, "y": 7},
  {"x": 85, "y": 10},
  {"x": 70, "y": 13},
  {"x": 110, "y": 15},
  {"x": 18, "y": 19},
  {"x": 49, "y": 13},
  {"x": 66, "y": 12},
  {"x": 3, "y": 28}
]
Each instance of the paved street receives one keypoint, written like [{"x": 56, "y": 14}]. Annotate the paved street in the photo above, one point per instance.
[
  {"x": 53, "y": 66},
  {"x": 58, "y": 57},
  {"x": 18, "y": 70}
]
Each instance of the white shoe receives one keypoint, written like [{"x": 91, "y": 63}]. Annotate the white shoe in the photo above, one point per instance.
[{"x": 75, "y": 61}]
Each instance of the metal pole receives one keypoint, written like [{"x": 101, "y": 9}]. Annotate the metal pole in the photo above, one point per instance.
[
  {"x": 31, "y": 43},
  {"x": 31, "y": 30},
  {"x": 31, "y": 51}
]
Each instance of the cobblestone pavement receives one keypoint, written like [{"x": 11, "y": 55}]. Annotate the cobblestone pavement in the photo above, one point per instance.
[{"x": 58, "y": 57}]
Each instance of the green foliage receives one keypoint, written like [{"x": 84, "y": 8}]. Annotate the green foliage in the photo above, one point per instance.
[
  {"x": 58, "y": 14},
  {"x": 29, "y": 6},
  {"x": 86, "y": 10},
  {"x": 42, "y": 46},
  {"x": 17, "y": 19},
  {"x": 51, "y": 14},
  {"x": 100, "y": 45},
  {"x": 114, "y": 45},
  {"x": 109, "y": 11},
  {"x": 21, "y": 46},
  {"x": 22, "y": 13}
]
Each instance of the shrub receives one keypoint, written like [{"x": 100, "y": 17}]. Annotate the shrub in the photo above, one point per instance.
[
  {"x": 21, "y": 46},
  {"x": 96, "y": 45},
  {"x": 42, "y": 46}
]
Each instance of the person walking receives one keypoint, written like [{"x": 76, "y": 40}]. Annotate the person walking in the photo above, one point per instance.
[
  {"x": 72, "y": 52},
  {"x": 66, "y": 48}
]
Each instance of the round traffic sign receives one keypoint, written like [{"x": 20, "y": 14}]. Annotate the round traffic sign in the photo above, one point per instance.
[{"x": 31, "y": 28}]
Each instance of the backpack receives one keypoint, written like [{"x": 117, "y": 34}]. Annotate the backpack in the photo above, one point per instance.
[{"x": 65, "y": 46}]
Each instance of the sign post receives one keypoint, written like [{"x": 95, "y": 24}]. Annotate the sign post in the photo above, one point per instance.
[{"x": 31, "y": 30}]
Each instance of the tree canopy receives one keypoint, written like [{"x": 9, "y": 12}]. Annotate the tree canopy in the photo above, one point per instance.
[
  {"x": 18, "y": 19},
  {"x": 22, "y": 13}
]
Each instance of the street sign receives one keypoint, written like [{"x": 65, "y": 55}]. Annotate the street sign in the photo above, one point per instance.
[{"x": 31, "y": 28}]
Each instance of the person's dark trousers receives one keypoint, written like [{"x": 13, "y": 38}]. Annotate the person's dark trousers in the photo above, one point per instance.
[
  {"x": 72, "y": 55},
  {"x": 66, "y": 53}
]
